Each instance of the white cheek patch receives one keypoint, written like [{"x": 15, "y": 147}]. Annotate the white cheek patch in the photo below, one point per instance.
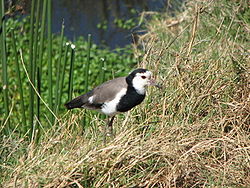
[
  {"x": 139, "y": 83},
  {"x": 109, "y": 108}
]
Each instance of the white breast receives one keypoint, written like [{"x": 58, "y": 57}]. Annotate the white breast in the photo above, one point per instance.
[{"x": 109, "y": 108}]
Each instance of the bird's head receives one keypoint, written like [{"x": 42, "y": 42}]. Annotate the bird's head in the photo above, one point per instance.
[{"x": 140, "y": 78}]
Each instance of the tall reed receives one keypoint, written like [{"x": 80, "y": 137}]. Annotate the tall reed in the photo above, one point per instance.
[
  {"x": 50, "y": 84},
  {"x": 30, "y": 69},
  {"x": 4, "y": 66},
  {"x": 102, "y": 71},
  {"x": 19, "y": 80},
  {"x": 58, "y": 70},
  {"x": 86, "y": 76},
  {"x": 40, "y": 57},
  {"x": 101, "y": 80},
  {"x": 35, "y": 55},
  {"x": 71, "y": 72},
  {"x": 63, "y": 74}
]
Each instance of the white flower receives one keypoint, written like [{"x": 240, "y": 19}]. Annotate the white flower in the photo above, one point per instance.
[{"x": 73, "y": 46}]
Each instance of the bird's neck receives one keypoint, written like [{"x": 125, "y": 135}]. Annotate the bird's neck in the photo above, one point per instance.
[
  {"x": 130, "y": 100},
  {"x": 140, "y": 90}
]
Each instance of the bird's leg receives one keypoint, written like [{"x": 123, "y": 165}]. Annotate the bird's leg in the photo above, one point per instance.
[{"x": 108, "y": 128}]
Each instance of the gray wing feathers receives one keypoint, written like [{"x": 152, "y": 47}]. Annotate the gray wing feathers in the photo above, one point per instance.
[
  {"x": 108, "y": 90},
  {"x": 101, "y": 94}
]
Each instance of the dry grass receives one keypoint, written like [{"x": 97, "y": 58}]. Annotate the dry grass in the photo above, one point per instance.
[{"x": 193, "y": 133}]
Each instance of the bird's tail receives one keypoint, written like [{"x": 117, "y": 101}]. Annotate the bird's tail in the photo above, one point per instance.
[{"x": 75, "y": 103}]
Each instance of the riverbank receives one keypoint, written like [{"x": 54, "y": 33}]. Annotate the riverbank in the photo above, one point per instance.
[{"x": 193, "y": 133}]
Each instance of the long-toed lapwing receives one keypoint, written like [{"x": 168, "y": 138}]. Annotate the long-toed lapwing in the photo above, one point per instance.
[{"x": 117, "y": 95}]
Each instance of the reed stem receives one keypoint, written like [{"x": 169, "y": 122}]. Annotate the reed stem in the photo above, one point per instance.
[
  {"x": 58, "y": 70},
  {"x": 30, "y": 69},
  {"x": 86, "y": 76},
  {"x": 87, "y": 65},
  {"x": 63, "y": 74},
  {"x": 40, "y": 55},
  {"x": 4, "y": 65},
  {"x": 71, "y": 72},
  {"x": 19, "y": 80},
  {"x": 37, "y": 17},
  {"x": 50, "y": 84}
]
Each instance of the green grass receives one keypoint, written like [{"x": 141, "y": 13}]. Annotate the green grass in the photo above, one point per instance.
[{"x": 193, "y": 133}]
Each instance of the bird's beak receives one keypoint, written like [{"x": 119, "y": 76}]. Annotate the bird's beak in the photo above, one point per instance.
[{"x": 154, "y": 83}]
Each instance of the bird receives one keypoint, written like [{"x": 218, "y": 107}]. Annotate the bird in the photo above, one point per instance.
[{"x": 116, "y": 96}]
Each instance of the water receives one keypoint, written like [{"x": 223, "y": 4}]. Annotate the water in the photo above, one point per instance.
[{"x": 82, "y": 17}]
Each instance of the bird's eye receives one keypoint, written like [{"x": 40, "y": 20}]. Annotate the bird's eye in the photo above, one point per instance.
[{"x": 143, "y": 77}]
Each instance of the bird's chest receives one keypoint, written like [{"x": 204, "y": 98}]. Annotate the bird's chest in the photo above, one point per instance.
[
  {"x": 130, "y": 100},
  {"x": 110, "y": 108}
]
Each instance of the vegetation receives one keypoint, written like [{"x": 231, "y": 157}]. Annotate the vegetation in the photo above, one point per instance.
[
  {"x": 51, "y": 79},
  {"x": 193, "y": 133}
]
